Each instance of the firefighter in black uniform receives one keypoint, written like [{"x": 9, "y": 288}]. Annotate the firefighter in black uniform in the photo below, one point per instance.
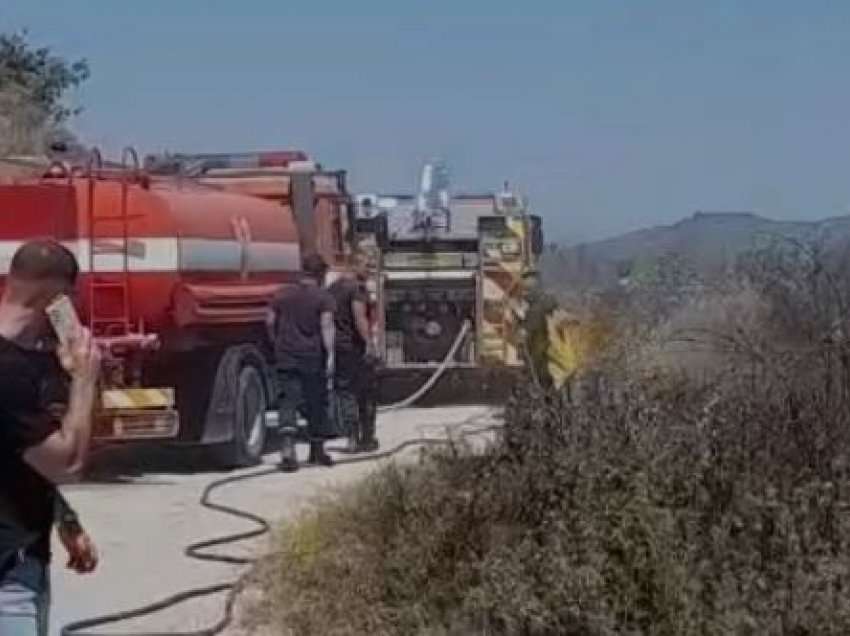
[
  {"x": 355, "y": 380},
  {"x": 301, "y": 326}
]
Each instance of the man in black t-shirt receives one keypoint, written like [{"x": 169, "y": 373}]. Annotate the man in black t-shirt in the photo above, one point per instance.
[
  {"x": 302, "y": 329},
  {"x": 39, "y": 446},
  {"x": 355, "y": 354}
]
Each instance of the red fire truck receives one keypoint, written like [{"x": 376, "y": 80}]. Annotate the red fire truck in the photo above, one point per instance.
[{"x": 179, "y": 261}]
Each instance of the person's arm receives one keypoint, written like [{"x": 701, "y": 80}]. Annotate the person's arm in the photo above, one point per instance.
[
  {"x": 82, "y": 553},
  {"x": 66, "y": 517},
  {"x": 328, "y": 337},
  {"x": 61, "y": 456},
  {"x": 361, "y": 322},
  {"x": 273, "y": 314},
  {"x": 327, "y": 309}
]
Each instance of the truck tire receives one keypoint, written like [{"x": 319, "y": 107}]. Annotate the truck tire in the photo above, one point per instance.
[
  {"x": 249, "y": 425},
  {"x": 236, "y": 422}
]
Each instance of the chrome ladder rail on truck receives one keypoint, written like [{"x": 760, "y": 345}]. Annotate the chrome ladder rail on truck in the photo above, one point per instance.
[
  {"x": 133, "y": 410},
  {"x": 102, "y": 285}
]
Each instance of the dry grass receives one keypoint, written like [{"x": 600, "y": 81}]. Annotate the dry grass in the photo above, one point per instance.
[{"x": 680, "y": 508}]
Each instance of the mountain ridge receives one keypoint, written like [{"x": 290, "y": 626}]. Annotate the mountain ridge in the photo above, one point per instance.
[{"x": 708, "y": 240}]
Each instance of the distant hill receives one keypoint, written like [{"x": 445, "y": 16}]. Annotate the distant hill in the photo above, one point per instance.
[{"x": 709, "y": 241}]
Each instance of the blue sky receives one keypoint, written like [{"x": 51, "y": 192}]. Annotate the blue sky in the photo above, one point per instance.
[{"x": 609, "y": 115}]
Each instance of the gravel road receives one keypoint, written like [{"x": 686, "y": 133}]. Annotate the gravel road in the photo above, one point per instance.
[{"x": 142, "y": 510}]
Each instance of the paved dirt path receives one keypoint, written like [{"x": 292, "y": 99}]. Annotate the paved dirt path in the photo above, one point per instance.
[{"x": 142, "y": 511}]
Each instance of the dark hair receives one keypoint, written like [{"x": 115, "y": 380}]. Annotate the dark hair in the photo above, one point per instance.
[
  {"x": 44, "y": 260},
  {"x": 314, "y": 265}
]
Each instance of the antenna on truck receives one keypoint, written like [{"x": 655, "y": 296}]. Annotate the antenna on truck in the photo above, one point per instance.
[{"x": 431, "y": 211}]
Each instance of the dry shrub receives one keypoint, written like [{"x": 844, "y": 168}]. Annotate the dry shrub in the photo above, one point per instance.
[
  {"x": 687, "y": 342},
  {"x": 388, "y": 557},
  {"x": 678, "y": 508},
  {"x": 681, "y": 514}
]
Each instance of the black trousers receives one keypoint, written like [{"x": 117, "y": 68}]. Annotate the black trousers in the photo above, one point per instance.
[
  {"x": 356, "y": 379},
  {"x": 303, "y": 388}
]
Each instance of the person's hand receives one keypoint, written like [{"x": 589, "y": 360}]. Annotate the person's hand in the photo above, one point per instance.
[
  {"x": 81, "y": 357},
  {"x": 82, "y": 553},
  {"x": 371, "y": 355},
  {"x": 330, "y": 371}
]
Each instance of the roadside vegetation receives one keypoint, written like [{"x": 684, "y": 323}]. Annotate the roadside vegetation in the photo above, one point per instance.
[
  {"x": 35, "y": 84},
  {"x": 697, "y": 484}
]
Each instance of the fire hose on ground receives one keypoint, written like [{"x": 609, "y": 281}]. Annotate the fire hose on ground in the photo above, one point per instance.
[{"x": 262, "y": 525}]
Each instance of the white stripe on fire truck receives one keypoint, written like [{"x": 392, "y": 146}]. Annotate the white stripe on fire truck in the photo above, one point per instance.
[{"x": 156, "y": 254}]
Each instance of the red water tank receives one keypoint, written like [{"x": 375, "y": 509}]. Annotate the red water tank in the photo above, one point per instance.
[{"x": 157, "y": 253}]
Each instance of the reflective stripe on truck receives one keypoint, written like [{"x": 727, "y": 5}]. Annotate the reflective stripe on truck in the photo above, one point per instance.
[
  {"x": 136, "y": 398},
  {"x": 136, "y": 414}
]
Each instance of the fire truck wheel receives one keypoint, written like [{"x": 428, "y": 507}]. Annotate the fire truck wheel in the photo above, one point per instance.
[{"x": 249, "y": 426}]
